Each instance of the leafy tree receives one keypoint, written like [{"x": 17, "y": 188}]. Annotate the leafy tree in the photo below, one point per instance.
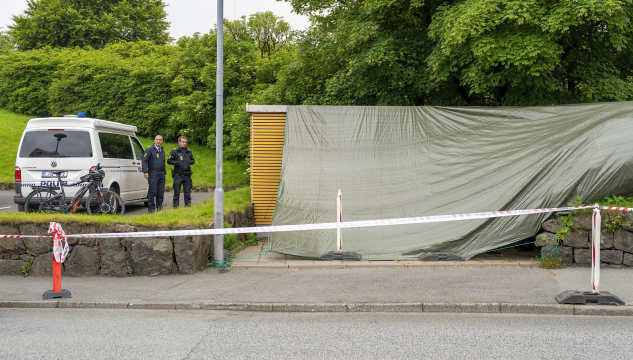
[
  {"x": 246, "y": 73},
  {"x": 359, "y": 52},
  {"x": 269, "y": 31},
  {"x": 266, "y": 30},
  {"x": 93, "y": 23},
  {"x": 469, "y": 52},
  {"x": 535, "y": 52},
  {"x": 238, "y": 29}
]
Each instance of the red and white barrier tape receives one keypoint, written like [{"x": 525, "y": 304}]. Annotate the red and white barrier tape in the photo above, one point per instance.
[
  {"x": 324, "y": 226},
  {"x": 25, "y": 236},
  {"x": 615, "y": 208},
  {"x": 60, "y": 243}
]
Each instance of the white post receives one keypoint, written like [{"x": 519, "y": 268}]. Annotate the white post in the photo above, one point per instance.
[
  {"x": 595, "y": 251},
  {"x": 339, "y": 204}
]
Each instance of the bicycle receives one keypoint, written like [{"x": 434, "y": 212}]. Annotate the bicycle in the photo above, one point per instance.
[{"x": 101, "y": 201}]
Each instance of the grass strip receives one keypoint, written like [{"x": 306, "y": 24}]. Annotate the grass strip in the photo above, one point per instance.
[{"x": 199, "y": 215}]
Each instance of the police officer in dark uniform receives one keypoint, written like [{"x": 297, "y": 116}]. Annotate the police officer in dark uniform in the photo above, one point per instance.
[
  {"x": 182, "y": 159},
  {"x": 155, "y": 173}
]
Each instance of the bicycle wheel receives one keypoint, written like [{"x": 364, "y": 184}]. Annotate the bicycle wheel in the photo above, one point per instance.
[
  {"x": 104, "y": 202},
  {"x": 42, "y": 200}
]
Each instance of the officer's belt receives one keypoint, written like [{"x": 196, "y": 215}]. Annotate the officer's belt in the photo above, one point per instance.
[{"x": 183, "y": 172}]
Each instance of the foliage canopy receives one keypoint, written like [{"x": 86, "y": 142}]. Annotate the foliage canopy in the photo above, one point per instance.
[
  {"x": 266, "y": 30},
  {"x": 469, "y": 52},
  {"x": 71, "y": 23}
]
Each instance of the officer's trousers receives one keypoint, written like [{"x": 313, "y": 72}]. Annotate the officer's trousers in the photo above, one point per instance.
[
  {"x": 186, "y": 188},
  {"x": 156, "y": 191}
]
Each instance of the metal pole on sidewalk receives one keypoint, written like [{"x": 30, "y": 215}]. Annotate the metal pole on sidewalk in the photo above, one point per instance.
[{"x": 218, "y": 244}]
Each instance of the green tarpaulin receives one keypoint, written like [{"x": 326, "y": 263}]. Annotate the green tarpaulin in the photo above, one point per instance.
[{"x": 394, "y": 162}]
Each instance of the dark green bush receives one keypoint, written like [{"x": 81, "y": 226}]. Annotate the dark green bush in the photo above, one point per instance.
[
  {"x": 25, "y": 78},
  {"x": 162, "y": 89},
  {"x": 128, "y": 83}
]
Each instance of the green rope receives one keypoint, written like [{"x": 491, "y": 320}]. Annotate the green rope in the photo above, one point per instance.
[
  {"x": 228, "y": 260},
  {"x": 559, "y": 261}
]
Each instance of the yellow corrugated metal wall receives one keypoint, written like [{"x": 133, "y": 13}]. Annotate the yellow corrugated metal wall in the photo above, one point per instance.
[{"x": 267, "y": 141}]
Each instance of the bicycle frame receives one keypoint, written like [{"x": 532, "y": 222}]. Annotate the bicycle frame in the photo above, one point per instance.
[{"x": 61, "y": 196}]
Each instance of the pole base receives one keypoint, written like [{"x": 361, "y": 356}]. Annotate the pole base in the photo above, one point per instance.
[
  {"x": 49, "y": 294},
  {"x": 440, "y": 257},
  {"x": 340, "y": 255},
  {"x": 583, "y": 297}
]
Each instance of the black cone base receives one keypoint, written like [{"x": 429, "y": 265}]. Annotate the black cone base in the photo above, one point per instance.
[
  {"x": 340, "y": 255},
  {"x": 585, "y": 297},
  {"x": 49, "y": 294},
  {"x": 440, "y": 257}
]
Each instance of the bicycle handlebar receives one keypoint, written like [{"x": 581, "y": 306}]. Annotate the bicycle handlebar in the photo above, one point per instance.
[{"x": 59, "y": 178}]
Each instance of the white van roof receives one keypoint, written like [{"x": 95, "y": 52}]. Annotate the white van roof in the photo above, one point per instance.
[{"x": 76, "y": 122}]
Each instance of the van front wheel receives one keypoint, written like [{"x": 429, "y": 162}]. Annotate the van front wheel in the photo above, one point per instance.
[{"x": 104, "y": 202}]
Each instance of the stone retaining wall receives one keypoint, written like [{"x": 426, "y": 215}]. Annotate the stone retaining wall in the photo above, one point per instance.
[
  {"x": 616, "y": 248},
  {"x": 110, "y": 256}
]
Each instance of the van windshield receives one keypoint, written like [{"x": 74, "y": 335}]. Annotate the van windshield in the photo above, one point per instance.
[{"x": 56, "y": 143}]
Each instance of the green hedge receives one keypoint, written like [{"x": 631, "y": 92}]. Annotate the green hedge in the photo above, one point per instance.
[
  {"x": 128, "y": 83},
  {"x": 25, "y": 78},
  {"x": 162, "y": 89}
]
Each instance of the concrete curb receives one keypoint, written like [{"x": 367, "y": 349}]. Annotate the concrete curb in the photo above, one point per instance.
[{"x": 456, "y": 308}]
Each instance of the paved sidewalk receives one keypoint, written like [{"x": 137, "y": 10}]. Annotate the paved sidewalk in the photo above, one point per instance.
[
  {"x": 257, "y": 257},
  {"x": 447, "y": 289}
]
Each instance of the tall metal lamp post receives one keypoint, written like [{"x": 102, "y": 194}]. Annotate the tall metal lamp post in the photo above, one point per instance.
[{"x": 218, "y": 243}]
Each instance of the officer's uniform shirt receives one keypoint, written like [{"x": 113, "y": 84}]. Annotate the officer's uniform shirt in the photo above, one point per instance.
[
  {"x": 181, "y": 158},
  {"x": 154, "y": 160}
]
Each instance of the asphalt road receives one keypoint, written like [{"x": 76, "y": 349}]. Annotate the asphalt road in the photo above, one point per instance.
[
  {"x": 154, "y": 334},
  {"x": 7, "y": 205}
]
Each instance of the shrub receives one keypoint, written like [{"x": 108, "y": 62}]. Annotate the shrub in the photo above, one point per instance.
[
  {"x": 25, "y": 78},
  {"x": 162, "y": 89}
]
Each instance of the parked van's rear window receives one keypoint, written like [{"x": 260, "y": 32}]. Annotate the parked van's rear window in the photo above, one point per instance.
[{"x": 55, "y": 144}]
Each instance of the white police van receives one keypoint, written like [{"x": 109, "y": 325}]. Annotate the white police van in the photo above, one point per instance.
[{"x": 74, "y": 144}]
